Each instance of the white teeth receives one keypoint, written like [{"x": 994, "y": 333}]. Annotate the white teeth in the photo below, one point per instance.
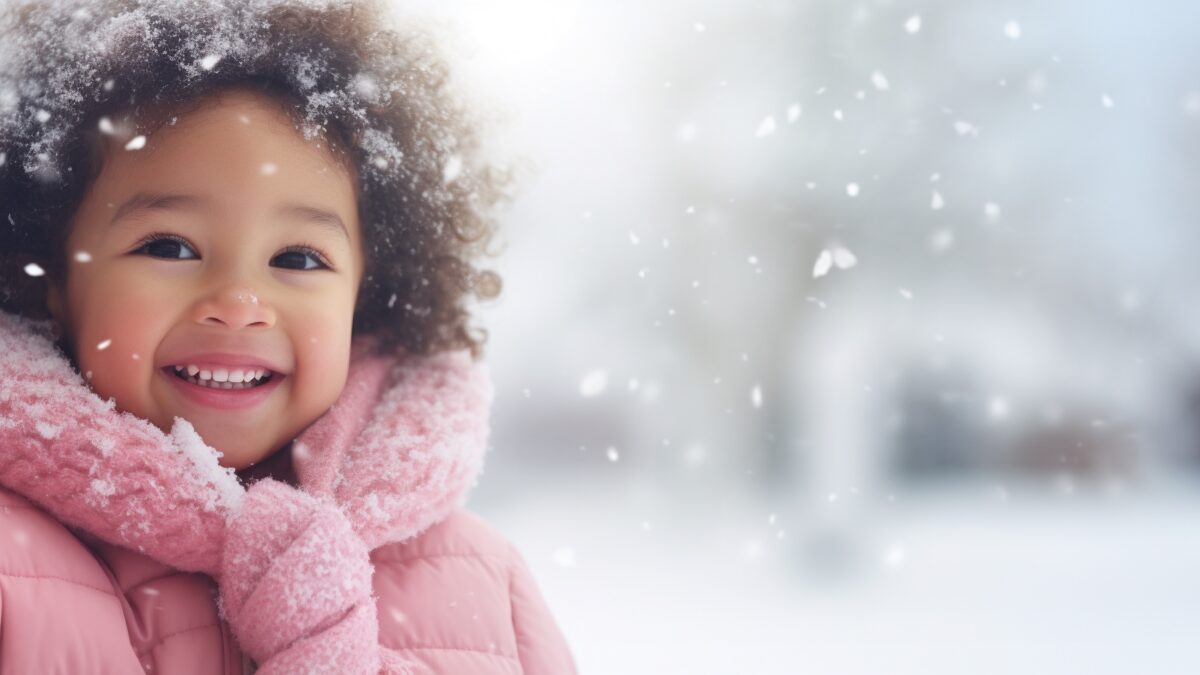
[{"x": 224, "y": 375}]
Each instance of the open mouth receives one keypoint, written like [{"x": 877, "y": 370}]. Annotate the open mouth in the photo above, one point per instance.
[{"x": 222, "y": 378}]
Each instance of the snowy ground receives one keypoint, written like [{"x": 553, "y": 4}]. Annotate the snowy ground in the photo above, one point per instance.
[{"x": 968, "y": 580}]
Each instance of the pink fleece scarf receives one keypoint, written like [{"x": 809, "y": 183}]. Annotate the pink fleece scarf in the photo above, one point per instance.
[{"x": 395, "y": 454}]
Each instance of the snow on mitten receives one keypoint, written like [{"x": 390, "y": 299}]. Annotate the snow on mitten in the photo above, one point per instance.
[{"x": 295, "y": 585}]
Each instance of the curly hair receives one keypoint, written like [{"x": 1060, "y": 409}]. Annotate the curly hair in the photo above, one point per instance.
[{"x": 379, "y": 94}]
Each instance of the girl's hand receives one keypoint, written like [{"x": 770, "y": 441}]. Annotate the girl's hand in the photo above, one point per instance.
[{"x": 295, "y": 585}]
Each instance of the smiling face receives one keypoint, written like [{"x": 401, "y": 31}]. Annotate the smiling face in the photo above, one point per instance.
[{"x": 227, "y": 242}]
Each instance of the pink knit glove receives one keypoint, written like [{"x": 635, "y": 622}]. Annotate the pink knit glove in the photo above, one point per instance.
[{"x": 295, "y": 585}]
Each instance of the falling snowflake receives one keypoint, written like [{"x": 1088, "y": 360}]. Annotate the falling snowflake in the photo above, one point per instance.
[
  {"x": 843, "y": 258},
  {"x": 594, "y": 383},
  {"x": 1012, "y": 30},
  {"x": 823, "y": 265},
  {"x": 452, "y": 169},
  {"x": 913, "y": 24},
  {"x": 880, "y": 82},
  {"x": 963, "y": 128},
  {"x": 942, "y": 240},
  {"x": 136, "y": 143},
  {"x": 836, "y": 256},
  {"x": 765, "y": 127}
]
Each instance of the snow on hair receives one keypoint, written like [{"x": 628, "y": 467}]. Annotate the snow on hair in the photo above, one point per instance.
[{"x": 378, "y": 92}]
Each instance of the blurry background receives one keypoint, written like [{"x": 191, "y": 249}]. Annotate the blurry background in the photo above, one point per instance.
[{"x": 848, "y": 337}]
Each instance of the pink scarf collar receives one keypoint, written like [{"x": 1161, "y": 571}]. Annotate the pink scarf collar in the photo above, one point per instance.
[{"x": 396, "y": 452}]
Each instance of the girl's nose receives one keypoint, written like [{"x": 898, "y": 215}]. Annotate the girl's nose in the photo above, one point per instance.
[{"x": 236, "y": 307}]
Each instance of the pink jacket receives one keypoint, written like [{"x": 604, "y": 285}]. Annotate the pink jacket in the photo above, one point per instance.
[{"x": 127, "y": 550}]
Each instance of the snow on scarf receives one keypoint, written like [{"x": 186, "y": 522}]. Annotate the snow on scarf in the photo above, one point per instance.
[{"x": 396, "y": 452}]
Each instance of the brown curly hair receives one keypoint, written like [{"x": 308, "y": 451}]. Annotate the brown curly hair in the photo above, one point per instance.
[{"x": 380, "y": 95}]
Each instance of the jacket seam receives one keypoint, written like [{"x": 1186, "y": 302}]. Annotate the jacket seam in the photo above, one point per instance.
[
  {"x": 106, "y": 591},
  {"x": 163, "y": 638},
  {"x": 512, "y": 613},
  {"x": 470, "y": 650}
]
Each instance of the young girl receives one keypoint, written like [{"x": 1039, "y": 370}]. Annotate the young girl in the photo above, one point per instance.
[{"x": 238, "y": 404}]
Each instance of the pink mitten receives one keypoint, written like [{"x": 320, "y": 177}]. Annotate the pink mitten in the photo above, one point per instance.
[{"x": 295, "y": 584}]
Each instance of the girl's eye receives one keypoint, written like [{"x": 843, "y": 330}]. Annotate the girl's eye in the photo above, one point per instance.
[
  {"x": 300, "y": 257},
  {"x": 171, "y": 247},
  {"x": 167, "y": 246}
]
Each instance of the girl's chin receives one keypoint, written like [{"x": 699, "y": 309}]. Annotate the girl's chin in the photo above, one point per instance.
[{"x": 240, "y": 460}]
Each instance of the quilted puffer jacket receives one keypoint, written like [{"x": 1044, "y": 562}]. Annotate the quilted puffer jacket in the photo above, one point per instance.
[{"x": 127, "y": 550}]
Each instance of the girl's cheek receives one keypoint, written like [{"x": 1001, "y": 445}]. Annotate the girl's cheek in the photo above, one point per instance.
[{"x": 116, "y": 333}]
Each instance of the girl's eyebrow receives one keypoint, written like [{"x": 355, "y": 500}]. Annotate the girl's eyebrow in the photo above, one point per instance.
[
  {"x": 144, "y": 201},
  {"x": 326, "y": 219}
]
